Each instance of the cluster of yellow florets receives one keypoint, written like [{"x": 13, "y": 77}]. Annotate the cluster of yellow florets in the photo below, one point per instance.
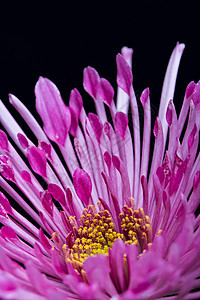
[{"x": 97, "y": 233}]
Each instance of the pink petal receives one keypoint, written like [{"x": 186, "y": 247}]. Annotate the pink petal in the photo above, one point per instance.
[
  {"x": 144, "y": 96},
  {"x": 6, "y": 168},
  {"x": 127, "y": 54},
  {"x": 8, "y": 233},
  {"x": 5, "y": 203},
  {"x": 121, "y": 123},
  {"x": 91, "y": 81},
  {"x": 23, "y": 140},
  {"x": 107, "y": 159},
  {"x": 190, "y": 89},
  {"x": 26, "y": 176},
  {"x": 83, "y": 185},
  {"x": 74, "y": 122},
  {"x": 160, "y": 174},
  {"x": 105, "y": 91},
  {"x": 44, "y": 241},
  {"x": 57, "y": 193},
  {"x": 169, "y": 113},
  {"x": 3, "y": 140},
  {"x": 47, "y": 202},
  {"x": 124, "y": 74},
  {"x": 179, "y": 169},
  {"x": 196, "y": 180},
  {"x": 196, "y": 94},
  {"x": 38, "y": 280},
  {"x": 76, "y": 102},
  {"x": 52, "y": 110},
  {"x": 46, "y": 148},
  {"x": 98, "y": 272},
  {"x": 37, "y": 160},
  {"x": 157, "y": 126},
  {"x": 96, "y": 124},
  {"x": 192, "y": 136}
]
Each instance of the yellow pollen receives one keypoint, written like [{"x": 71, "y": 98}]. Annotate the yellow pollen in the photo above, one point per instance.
[{"x": 97, "y": 233}]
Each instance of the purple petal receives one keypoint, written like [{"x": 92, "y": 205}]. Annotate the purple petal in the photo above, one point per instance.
[
  {"x": 44, "y": 241},
  {"x": 52, "y": 110},
  {"x": 144, "y": 96},
  {"x": 196, "y": 180},
  {"x": 121, "y": 123},
  {"x": 157, "y": 126},
  {"x": 107, "y": 159},
  {"x": 98, "y": 272},
  {"x": 192, "y": 136},
  {"x": 169, "y": 113},
  {"x": 8, "y": 233},
  {"x": 190, "y": 89},
  {"x": 23, "y": 140},
  {"x": 46, "y": 148},
  {"x": 124, "y": 74},
  {"x": 83, "y": 185},
  {"x": 196, "y": 94},
  {"x": 38, "y": 279},
  {"x": 37, "y": 160},
  {"x": 47, "y": 202},
  {"x": 179, "y": 169},
  {"x": 96, "y": 124},
  {"x": 26, "y": 176},
  {"x": 6, "y": 168},
  {"x": 91, "y": 81},
  {"x": 3, "y": 140},
  {"x": 105, "y": 91},
  {"x": 57, "y": 193},
  {"x": 5, "y": 203},
  {"x": 74, "y": 122},
  {"x": 75, "y": 101}
]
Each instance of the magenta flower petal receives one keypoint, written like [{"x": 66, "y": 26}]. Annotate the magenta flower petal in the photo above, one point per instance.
[
  {"x": 121, "y": 123},
  {"x": 57, "y": 193},
  {"x": 23, "y": 140},
  {"x": 26, "y": 176},
  {"x": 75, "y": 101},
  {"x": 96, "y": 124},
  {"x": 52, "y": 110},
  {"x": 83, "y": 185},
  {"x": 91, "y": 81},
  {"x": 105, "y": 91},
  {"x": 3, "y": 140},
  {"x": 5, "y": 204},
  {"x": 6, "y": 168},
  {"x": 37, "y": 160},
  {"x": 124, "y": 74}
]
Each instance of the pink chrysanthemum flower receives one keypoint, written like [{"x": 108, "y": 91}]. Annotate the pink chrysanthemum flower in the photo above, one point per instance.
[{"x": 106, "y": 221}]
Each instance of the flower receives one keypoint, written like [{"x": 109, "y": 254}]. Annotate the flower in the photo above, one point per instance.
[{"x": 107, "y": 221}]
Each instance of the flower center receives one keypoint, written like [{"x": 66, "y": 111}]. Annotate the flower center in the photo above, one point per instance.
[{"x": 97, "y": 233}]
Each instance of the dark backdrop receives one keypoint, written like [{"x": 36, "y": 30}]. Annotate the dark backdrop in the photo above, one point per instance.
[{"x": 58, "y": 41}]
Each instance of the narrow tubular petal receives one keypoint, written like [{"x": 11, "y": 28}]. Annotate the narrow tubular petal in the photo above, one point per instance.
[
  {"x": 169, "y": 85},
  {"x": 146, "y": 133},
  {"x": 124, "y": 74},
  {"x": 157, "y": 156},
  {"x": 136, "y": 133},
  {"x": 122, "y": 97}
]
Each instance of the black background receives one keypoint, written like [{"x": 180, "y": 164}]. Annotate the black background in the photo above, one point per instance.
[{"x": 57, "y": 41}]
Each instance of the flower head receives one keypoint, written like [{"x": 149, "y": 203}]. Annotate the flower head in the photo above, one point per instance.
[{"x": 107, "y": 221}]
